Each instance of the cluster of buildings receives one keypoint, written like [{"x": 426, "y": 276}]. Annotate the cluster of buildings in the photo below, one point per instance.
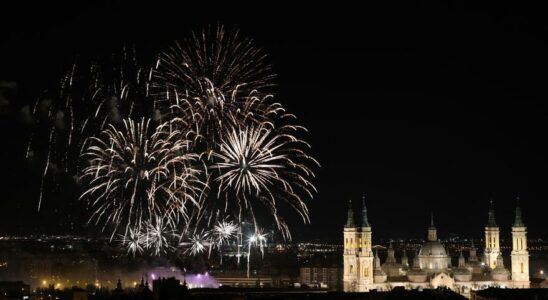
[{"x": 431, "y": 266}]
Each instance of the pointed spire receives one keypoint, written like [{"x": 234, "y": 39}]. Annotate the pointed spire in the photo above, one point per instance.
[
  {"x": 391, "y": 255},
  {"x": 365, "y": 221},
  {"x": 491, "y": 217},
  {"x": 377, "y": 260},
  {"x": 432, "y": 232},
  {"x": 518, "y": 221},
  {"x": 472, "y": 252},
  {"x": 350, "y": 217},
  {"x": 462, "y": 260},
  {"x": 404, "y": 259},
  {"x": 416, "y": 261}
]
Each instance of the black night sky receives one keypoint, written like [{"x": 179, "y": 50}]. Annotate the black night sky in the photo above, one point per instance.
[{"x": 423, "y": 108}]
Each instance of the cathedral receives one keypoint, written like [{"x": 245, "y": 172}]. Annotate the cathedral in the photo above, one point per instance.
[{"x": 431, "y": 266}]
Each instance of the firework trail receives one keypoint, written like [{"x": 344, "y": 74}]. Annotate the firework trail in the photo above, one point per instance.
[
  {"x": 263, "y": 167},
  {"x": 256, "y": 239},
  {"x": 140, "y": 175},
  {"x": 89, "y": 97}
]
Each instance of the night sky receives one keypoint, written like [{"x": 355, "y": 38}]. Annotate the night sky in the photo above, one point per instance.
[{"x": 422, "y": 108}]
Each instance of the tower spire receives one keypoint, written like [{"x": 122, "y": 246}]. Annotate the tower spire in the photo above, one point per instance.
[
  {"x": 365, "y": 221},
  {"x": 350, "y": 216},
  {"x": 491, "y": 217},
  {"x": 432, "y": 232},
  {"x": 518, "y": 221}
]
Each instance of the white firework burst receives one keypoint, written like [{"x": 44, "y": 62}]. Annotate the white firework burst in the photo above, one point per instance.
[
  {"x": 197, "y": 243},
  {"x": 158, "y": 236},
  {"x": 227, "y": 60},
  {"x": 133, "y": 242},
  {"x": 263, "y": 166},
  {"x": 138, "y": 175}
]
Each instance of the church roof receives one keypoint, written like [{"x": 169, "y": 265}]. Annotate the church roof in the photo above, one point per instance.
[
  {"x": 491, "y": 216},
  {"x": 518, "y": 221},
  {"x": 365, "y": 221},
  {"x": 350, "y": 216},
  {"x": 432, "y": 248}
]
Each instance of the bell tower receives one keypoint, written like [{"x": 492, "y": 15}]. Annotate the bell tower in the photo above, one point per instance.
[
  {"x": 365, "y": 255},
  {"x": 492, "y": 239},
  {"x": 350, "y": 260},
  {"x": 520, "y": 255}
]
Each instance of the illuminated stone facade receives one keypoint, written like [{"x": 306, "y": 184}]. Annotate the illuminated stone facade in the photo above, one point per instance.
[{"x": 431, "y": 266}]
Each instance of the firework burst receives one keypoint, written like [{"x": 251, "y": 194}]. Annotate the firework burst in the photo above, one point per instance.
[
  {"x": 158, "y": 237},
  {"x": 139, "y": 175},
  {"x": 210, "y": 115},
  {"x": 208, "y": 148},
  {"x": 223, "y": 232},
  {"x": 230, "y": 62},
  {"x": 260, "y": 165},
  {"x": 197, "y": 243},
  {"x": 133, "y": 242}
]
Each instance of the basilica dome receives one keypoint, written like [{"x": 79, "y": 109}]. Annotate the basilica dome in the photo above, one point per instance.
[
  {"x": 432, "y": 248},
  {"x": 432, "y": 255}
]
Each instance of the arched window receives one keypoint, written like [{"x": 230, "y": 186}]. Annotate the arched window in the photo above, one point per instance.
[
  {"x": 521, "y": 265},
  {"x": 351, "y": 269},
  {"x": 366, "y": 272}
]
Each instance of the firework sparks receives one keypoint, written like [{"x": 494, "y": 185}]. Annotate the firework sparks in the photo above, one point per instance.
[
  {"x": 256, "y": 239},
  {"x": 214, "y": 133},
  {"x": 227, "y": 60},
  {"x": 197, "y": 243},
  {"x": 223, "y": 231},
  {"x": 262, "y": 164},
  {"x": 89, "y": 96},
  {"x": 158, "y": 236},
  {"x": 139, "y": 175},
  {"x": 133, "y": 242}
]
